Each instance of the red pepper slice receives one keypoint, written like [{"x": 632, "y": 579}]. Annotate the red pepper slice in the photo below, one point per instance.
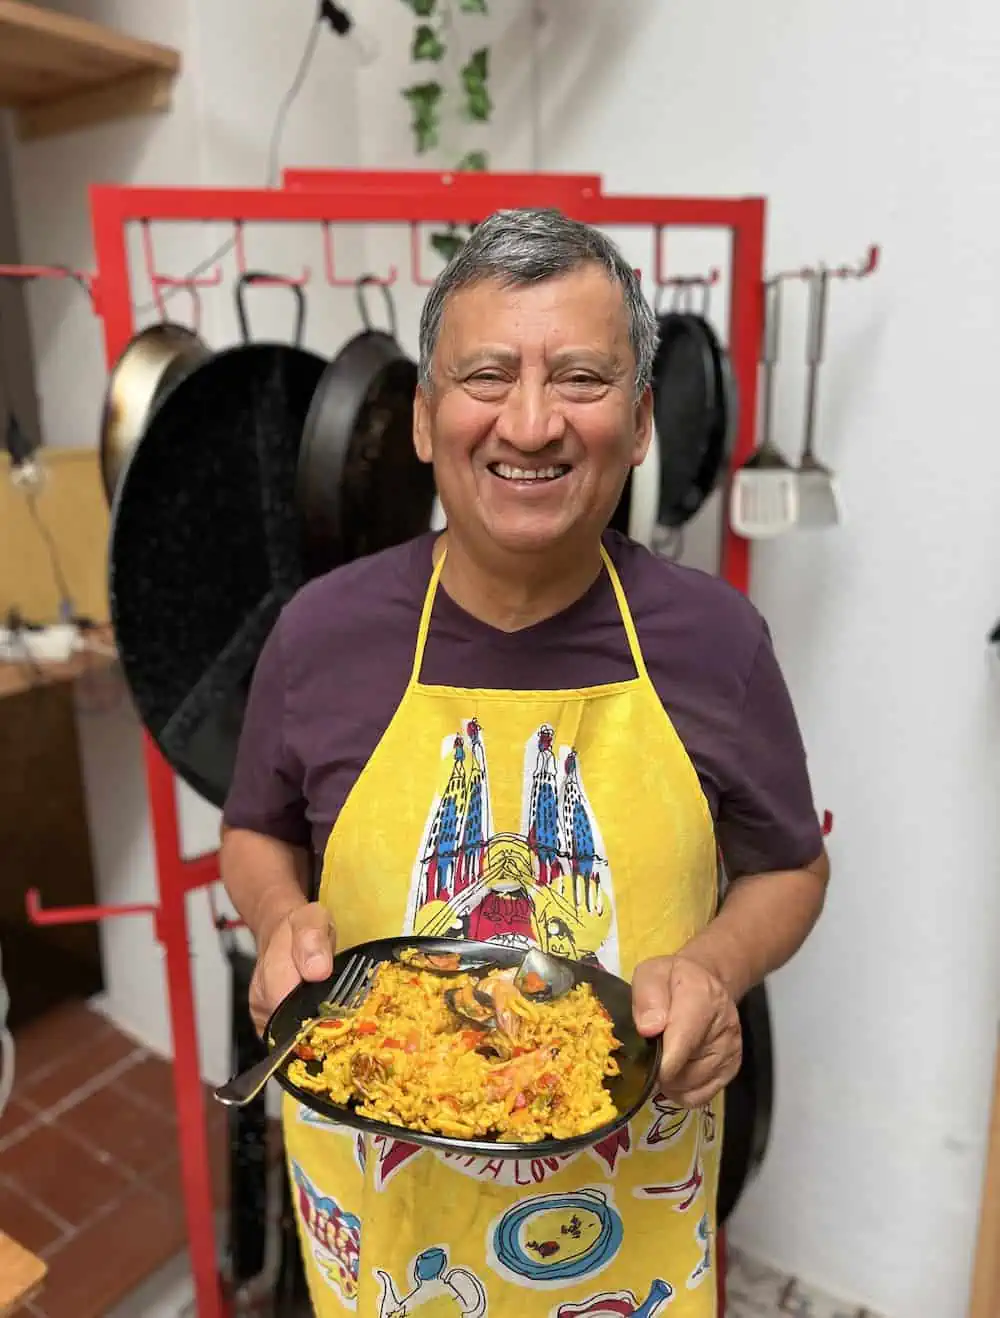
[
  {"x": 366, "y": 1027},
  {"x": 306, "y": 1053},
  {"x": 533, "y": 982}
]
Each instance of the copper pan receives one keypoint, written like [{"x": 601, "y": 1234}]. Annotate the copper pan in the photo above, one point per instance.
[{"x": 155, "y": 360}]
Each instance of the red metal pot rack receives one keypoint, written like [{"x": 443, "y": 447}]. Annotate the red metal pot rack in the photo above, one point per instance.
[{"x": 328, "y": 198}]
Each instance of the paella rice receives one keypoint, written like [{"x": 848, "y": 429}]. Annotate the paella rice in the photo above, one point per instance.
[{"x": 527, "y": 1070}]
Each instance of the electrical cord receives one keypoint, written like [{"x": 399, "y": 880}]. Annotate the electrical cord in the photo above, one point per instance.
[
  {"x": 67, "y": 612},
  {"x": 340, "y": 23}
]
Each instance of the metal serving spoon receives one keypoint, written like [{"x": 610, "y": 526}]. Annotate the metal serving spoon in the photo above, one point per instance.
[{"x": 557, "y": 976}]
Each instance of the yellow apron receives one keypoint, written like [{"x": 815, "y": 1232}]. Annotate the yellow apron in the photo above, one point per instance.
[{"x": 575, "y": 820}]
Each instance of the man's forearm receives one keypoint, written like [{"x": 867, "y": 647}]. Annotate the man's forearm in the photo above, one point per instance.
[
  {"x": 265, "y": 879},
  {"x": 763, "y": 922}
]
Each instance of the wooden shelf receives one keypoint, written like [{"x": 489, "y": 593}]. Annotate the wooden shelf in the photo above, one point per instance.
[{"x": 60, "y": 73}]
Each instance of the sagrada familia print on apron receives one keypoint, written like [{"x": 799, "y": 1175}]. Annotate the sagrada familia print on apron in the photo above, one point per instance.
[{"x": 543, "y": 880}]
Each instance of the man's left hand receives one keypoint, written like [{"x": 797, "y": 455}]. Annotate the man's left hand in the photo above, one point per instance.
[{"x": 681, "y": 999}]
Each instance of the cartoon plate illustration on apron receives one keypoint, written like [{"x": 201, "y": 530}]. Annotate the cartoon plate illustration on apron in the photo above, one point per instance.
[{"x": 570, "y": 820}]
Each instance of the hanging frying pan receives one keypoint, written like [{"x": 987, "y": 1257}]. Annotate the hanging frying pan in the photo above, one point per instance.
[
  {"x": 749, "y": 1104},
  {"x": 694, "y": 408},
  {"x": 206, "y": 544},
  {"x": 154, "y": 361},
  {"x": 361, "y": 486}
]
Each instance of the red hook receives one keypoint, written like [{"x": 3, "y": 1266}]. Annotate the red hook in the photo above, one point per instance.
[
  {"x": 86, "y": 282},
  {"x": 415, "y": 273},
  {"x": 283, "y": 280},
  {"x": 158, "y": 282},
  {"x": 865, "y": 268},
  {"x": 663, "y": 280},
  {"x": 336, "y": 281}
]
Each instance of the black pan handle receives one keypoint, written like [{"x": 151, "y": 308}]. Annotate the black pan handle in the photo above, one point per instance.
[
  {"x": 259, "y": 277},
  {"x": 366, "y": 281}
]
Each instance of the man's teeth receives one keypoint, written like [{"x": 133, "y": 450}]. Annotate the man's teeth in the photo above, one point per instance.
[{"x": 508, "y": 473}]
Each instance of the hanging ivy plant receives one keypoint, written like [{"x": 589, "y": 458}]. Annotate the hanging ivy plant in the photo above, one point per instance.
[{"x": 432, "y": 32}]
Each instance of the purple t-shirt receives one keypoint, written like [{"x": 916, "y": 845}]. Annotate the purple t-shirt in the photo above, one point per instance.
[{"x": 336, "y": 665}]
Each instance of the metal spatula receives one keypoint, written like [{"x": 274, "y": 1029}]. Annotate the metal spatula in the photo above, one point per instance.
[
  {"x": 819, "y": 498},
  {"x": 764, "y": 496}
]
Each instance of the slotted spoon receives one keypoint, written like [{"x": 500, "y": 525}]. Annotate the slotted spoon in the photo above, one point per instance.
[
  {"x": 819, "y": 498},
  {"x": 764, "y": 496}
]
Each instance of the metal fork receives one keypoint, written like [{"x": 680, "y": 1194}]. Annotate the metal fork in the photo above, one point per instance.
[{"x": 347, "y": 994}]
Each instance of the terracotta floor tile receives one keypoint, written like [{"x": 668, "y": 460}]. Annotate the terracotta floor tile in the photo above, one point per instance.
[
  {"x": 96, "y": 1269},
  {"x": 58, "y": 1173},
  {"x": 28, "y": 1225},
  {"x": 151, "y": 1081},
  {"x": 108, "y": 1121},
  {"x": 16, "y": 1118},
  {"x": 166, "y": 1179},
  {"x": 77, "y": 1068},
  {"x": 62, "y": 1030}
]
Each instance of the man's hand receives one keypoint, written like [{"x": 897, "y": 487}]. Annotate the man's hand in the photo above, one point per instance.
[
  {"x": 300, "y": 946},
  {"x": 679, "y": 998}
]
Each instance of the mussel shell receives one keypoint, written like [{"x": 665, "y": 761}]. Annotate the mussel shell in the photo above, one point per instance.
[
  {"x": 487, "y": 1021},
  {"x": 414, "y": 958}
]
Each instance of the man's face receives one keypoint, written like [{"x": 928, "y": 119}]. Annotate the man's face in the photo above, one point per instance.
[{"x": 532, "y": 422}]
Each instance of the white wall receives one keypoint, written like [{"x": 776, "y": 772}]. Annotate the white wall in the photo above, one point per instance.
[{"x": 859, "y": 123}]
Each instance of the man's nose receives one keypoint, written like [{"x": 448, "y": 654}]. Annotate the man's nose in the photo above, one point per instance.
[{"x": 529, "y": 420}]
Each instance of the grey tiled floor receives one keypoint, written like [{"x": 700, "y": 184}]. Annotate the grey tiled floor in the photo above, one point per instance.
[{"x": 756, "y": 1291}]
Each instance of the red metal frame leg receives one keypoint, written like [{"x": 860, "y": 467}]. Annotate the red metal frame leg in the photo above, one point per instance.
[{"x": 189, "y": 1096}]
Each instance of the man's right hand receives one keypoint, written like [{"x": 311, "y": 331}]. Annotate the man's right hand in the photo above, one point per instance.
[{"x": 300, "y": 946}]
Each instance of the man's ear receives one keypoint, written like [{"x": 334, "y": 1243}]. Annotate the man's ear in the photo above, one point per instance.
[
  {"x": 422, "y": 424},
  {"x": 643, "y": 427}
]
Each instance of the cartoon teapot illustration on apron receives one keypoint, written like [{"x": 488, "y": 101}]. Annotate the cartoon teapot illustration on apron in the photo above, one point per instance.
[{"x": 455, "y": 1292}]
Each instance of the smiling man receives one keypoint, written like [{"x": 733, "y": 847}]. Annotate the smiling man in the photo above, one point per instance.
[{"x": 528, "y": 729}]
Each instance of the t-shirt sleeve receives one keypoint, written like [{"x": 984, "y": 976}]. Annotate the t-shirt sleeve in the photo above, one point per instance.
[
  {"x": 266, "y": 794},
  {"x": 767, "y": 820}
]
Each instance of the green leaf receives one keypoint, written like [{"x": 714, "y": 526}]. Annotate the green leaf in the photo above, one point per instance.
[
  {"x": 473, "y": 6},
  {"x": 475, "y": 75},
  {"x": 478, "y": 105},
  {"x": 474, "y": 162},
  {"x": 427, "y": 45},
  {"x": 448, "y": 243},
  {"x": 422, "y": 8},
  {"x": 478, "y": 67},
  {"x": 424, "y": 99}
]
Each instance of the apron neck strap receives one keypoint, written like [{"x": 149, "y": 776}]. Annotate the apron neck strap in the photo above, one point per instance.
[
  {"x": 635, "y": 649},
  {"x": 626, "y": 616},
  {"x": 425, "y": 619}
]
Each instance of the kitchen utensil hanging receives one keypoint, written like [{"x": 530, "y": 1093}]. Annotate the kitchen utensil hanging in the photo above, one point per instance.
[
  {"x": 360, "y": 484},
  {"x": 156, "y": 359},
  {"x": 206, "y": 542},
  {"x": 764, "y": 496},
  {"x": 818, "y": 495},
  {"x": 694, "y": 407}
]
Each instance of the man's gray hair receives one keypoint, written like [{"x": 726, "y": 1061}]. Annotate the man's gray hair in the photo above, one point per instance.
[{"x": 518, "y": 247}]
